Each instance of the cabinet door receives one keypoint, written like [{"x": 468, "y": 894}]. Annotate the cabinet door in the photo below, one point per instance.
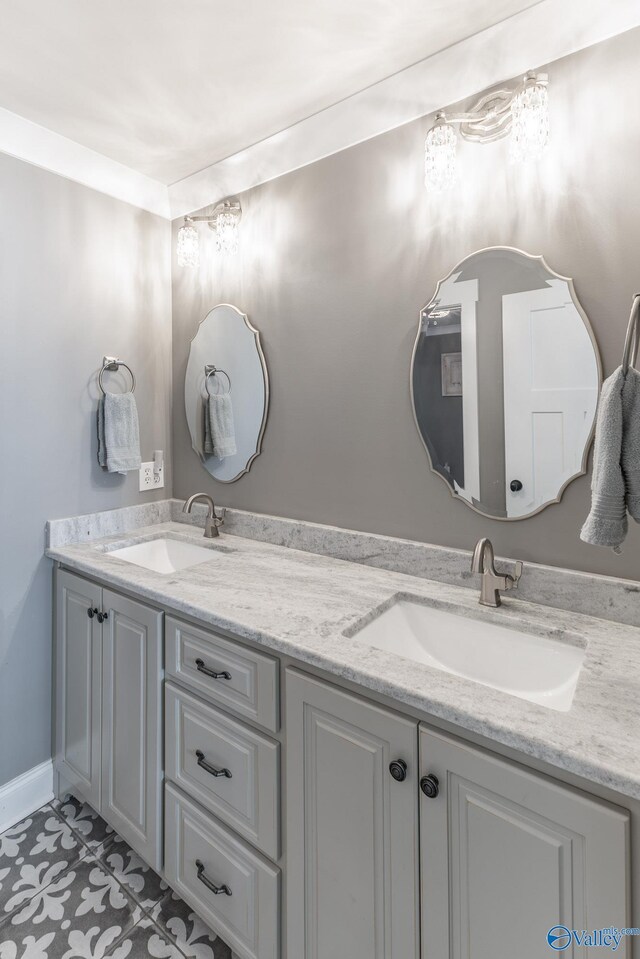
[
  {"x": 78, "y": 685},
  {"x": 507, "y": 854},
  {"x": 352, "y": 831},
  {"x": 132, "y": 724}
]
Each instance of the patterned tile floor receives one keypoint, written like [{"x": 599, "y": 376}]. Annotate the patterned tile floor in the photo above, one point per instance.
[{"x": 71, "y": 888}]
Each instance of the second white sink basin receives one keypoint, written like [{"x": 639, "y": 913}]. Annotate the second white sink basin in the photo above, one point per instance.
[
  {"x": 166, "y": 555},
  {"x": 535, "y": 668}
]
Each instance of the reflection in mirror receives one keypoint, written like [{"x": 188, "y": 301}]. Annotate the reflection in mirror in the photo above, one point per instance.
[
  {"x": 226, "y": 393},
  {"x": 505, "y": 380}
]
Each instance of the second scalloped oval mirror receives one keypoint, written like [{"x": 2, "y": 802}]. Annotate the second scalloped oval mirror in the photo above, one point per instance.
[
  {"x": 505, "y": 381},
  {"x": 226, "y": 393}
]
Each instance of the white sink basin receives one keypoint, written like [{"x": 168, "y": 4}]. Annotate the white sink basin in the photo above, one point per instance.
[
  {"x": 532, "y": 667},
  {"x": 166, "y": 555}
]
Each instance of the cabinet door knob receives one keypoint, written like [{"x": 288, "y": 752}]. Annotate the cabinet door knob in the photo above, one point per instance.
[
  {"x": 216, "y": 890},
  {"x": 515, "y": 486},
  {"x": 102, "y": 616},
  {"x": 398, "y": 769},
  {"x": 430, "y": 786},
  {"x": 91, "y": 612},
  {"x": 200, "y": 666},
  {"x": 209, "y": 768}
]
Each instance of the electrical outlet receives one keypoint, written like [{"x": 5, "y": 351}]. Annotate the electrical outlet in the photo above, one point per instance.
[{"x": 151, "y": 476}]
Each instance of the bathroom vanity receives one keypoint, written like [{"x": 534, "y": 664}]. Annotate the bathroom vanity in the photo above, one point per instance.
[{"x": 310, "y": 793}]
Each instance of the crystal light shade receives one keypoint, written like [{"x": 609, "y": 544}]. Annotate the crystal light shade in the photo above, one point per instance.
[
  {"x": 440, "y": 166},
  {"x": 530, "y": 121},
  {"x": 188, "y": 248},
  {"x": 226, "y": 227}
]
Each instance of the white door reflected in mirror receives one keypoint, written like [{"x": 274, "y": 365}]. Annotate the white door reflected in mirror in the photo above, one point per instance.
[{"x": 517, "y": 427}]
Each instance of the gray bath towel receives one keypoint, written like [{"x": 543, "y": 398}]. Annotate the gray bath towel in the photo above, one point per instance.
[
  {"x": 631, "y": 442},
  {"x": 118, "y": 433},
  {"x": 615, "y": 484},
  {"x": 207, "y": 445},
  {"x": 219, "y": 433}
]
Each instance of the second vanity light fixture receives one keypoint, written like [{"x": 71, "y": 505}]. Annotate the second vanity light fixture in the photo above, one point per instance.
[
  {"x": 224, "y": 220},
  {"x": 522, "y": 113}
]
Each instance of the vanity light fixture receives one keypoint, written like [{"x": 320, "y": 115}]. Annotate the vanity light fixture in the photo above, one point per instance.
[
  {"x": 188, "y": 247},
  {"x": 530, "y": 120},
  {"x": 440, "y": 163},
  {"x": 223, "y": 220},
  {"x": 522, "y": 112}
]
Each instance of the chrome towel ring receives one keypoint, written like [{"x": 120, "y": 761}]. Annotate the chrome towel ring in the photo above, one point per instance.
[
  {"x": 112, "y": 364},
  {"x": 212, "y": 371}
]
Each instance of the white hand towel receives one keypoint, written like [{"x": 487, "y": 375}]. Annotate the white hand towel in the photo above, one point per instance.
[
  {"x": 221, "y": 425},
  {"x": 118, "y": 433}
]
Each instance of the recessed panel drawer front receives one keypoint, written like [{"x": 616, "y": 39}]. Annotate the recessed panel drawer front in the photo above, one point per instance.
[
  {"x": 234, "y": 889},
  {"x": 230, "y": 769},
  {"x": 227, "y": 673}
]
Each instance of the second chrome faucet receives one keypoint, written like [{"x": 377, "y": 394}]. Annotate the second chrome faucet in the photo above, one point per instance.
[
  {"x": 492, "y": 582},
  {"x": 213, "y": 522}
]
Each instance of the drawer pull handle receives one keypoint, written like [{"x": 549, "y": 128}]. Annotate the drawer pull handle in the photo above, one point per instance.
[
  {"x": 216, "y": 890},
  {"x": 200, "y": 666},
  {"x": 209, "y": 768}
]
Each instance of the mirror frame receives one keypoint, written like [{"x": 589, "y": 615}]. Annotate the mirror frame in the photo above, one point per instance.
[
  {"x": 265, "y": 375},
  {"x": 585, "y": 319}
]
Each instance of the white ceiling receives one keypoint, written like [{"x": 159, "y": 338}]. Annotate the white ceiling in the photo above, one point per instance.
[{"x": 168, "y": 87}]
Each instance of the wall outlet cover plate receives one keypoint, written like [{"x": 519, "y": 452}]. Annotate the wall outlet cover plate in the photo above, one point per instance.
[{"x": 151, "y": 476}]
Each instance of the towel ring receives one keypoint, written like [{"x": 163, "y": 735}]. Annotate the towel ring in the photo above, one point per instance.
[
  {"x": 112, "y": 364},
  {"x": 632, "y": 339},
  {"x": 211, "y": 371}
]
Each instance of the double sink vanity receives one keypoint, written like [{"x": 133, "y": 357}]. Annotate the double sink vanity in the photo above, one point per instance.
[{"x": 324, "y": 758}]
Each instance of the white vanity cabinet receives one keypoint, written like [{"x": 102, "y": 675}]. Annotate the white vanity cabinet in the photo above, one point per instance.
[
  {"x": 78, "y": 686},
  {"x": 390, "y": 839},
  {"x": 108, "y": 740},
  {"x": 504, "y": 853},
  {"x": 352, "y": 829},
  {"x": 507, "y": 854}
]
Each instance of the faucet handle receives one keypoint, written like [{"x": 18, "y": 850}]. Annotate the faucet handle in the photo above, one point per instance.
[
  {"x": 218, "y": 518},
  {"x": 517, "y": 573}
]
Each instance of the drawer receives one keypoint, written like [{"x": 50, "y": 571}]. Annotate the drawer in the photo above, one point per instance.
[
  {"x": 200, "y": 853},
  {"x": 246, "y": 681},
  {"x": 201, "y": 741}
]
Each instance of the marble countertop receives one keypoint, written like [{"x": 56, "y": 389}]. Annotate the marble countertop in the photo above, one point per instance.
[{"x": 306, "y": 606}]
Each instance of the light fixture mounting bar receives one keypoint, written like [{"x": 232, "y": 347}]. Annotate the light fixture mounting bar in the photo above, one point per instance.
[
  {"x": 490, "y": 119},
  {"x": 225, "y": 206}
]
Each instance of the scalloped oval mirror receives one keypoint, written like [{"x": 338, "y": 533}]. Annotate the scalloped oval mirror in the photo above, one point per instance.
[
  {"x": 226, "y": 393},
  {"x": 505, "y": 378}
]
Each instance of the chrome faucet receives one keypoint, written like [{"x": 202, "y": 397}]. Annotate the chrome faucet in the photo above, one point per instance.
[
  {"x": 492, "y": 581},
  {"x": 213, "y": 522}
]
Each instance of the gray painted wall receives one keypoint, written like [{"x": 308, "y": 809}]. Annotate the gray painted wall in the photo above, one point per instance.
[
  {"x": 337, "y": 259},
  {"x": 80, "y": 275}
]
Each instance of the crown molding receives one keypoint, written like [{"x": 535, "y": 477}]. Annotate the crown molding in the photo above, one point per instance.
[
  {"x": 43, "y": 148},
  {"x": 522, "y": 42}
]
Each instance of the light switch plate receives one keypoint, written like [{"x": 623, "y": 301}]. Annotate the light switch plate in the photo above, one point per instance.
[{"x": 150, "y": 479}]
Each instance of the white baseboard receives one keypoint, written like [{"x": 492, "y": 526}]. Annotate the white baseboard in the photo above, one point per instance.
[{"x": 26, "y": 793}]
